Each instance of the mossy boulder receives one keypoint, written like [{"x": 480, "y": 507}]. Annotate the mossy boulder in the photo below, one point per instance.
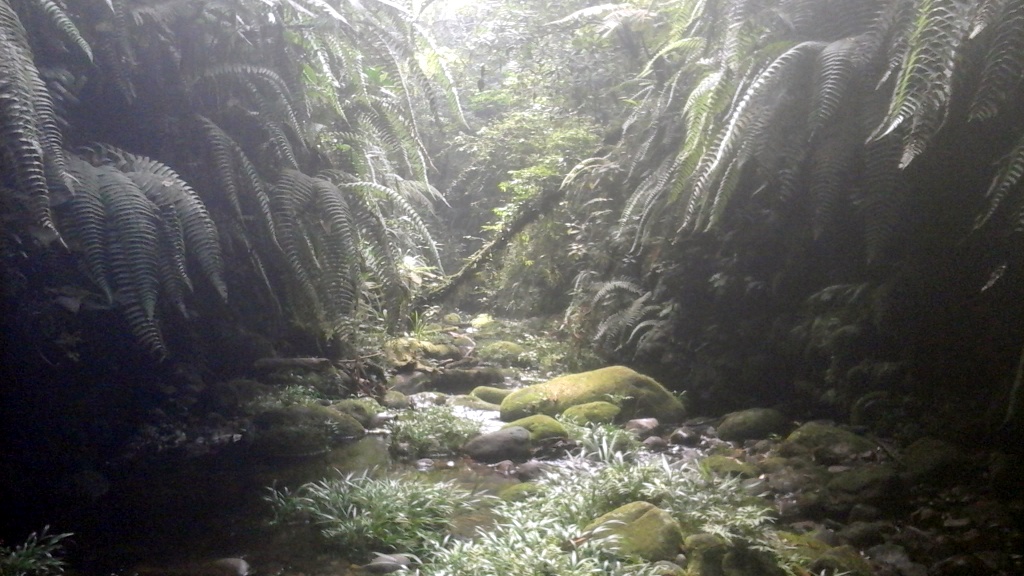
[
  {"x": 395, "y": 400},
  {"x": 636, "y": 395},
  {"x": 519, "y": 492},
  {"x": 541, "y": 427},
  {"x": 822, "y": 558},
  {"x": 599, "y": 412},
  {"x": 726, "y": 466},
  {"x": 362, "y": 409},
  {"x": 827, "y": 444},
  {"x": 752, "y": 424},
  {"x": 641, "y": 530},
  {"x": 490, "y": 394},
  {"x": 504, "y": 353},
  {"x": 300, "y": 431},
  {"x": 934, "y": 461},
  {"x": 452, "y": 319},
  {"x": 462, "y": 381},
  {"x": 402, "y": 351},
  {"x": 876, "y": 484}
]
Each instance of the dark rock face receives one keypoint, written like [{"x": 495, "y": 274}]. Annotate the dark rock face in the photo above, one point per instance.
[{"x": 511, "y": 443}]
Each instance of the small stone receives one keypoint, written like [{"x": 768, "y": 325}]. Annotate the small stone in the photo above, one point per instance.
[
  {"x": 531, "y": 470},
  {"x": 655, "y": 443},
  {"x": 642, "y": 427}
]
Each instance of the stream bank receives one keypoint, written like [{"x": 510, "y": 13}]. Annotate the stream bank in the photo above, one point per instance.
[{"x": 752, "y": 492}]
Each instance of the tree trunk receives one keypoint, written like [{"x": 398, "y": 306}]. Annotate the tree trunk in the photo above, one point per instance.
[{"x": 529, "y": 213}]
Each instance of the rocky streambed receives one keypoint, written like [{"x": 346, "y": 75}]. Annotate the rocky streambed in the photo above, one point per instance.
[{"x": 485, "y": 456}]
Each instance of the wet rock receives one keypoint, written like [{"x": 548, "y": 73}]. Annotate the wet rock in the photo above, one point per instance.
[
  {"x": 655, "y": 443},
  {"x": 825, "y": 443},
  {"x": 641, "y": 427},
  {"x": 503, "y": 353},
  {"x": 505, "y": 444},
  {"x": 752, "y": 424},
  {"x": 726, "y": 466},
  {"x": 541, "y": 427},
  {"x": 960, "y": 565},
  {"x": 473, "y": 402},
  {"x": 402, "y": 351},
  {"x": 411, "y": 383},
  {"x": 231, "y": 566},
  {"x": 861, "y": 512},
  {"x": 685, "y": 436},
  {"x": 666, "y": 568},
  {"x": 934, "y": 461},
  {"x": 387, "y": 564},
  {"x": 865, "y": 534},
  {"x": 873, "y": 484},
  {"x": 599, "y": 412},
  {"x": 531, "y": 470},
  {"x": 635, "y": 394},
  {"x": 641, "y": 530},
  {"x": 490, "y": 394},
  {"x": 894, "y": 555},
  {"x": 459, "y": 381}
]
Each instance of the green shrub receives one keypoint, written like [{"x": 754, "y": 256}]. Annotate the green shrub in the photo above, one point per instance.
[{"x": 37, "y": 556}]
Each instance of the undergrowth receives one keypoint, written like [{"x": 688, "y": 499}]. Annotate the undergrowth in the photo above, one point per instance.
[{"x": 432, "y": 431}]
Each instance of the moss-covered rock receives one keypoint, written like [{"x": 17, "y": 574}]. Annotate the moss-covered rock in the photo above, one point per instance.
[
  {"x": 541, "y": 427},
  {"x": 402, "y": 351},
  {"x": 824, "y": 559},
  {"x": 467, "y": 401},
  {"x": 641, "y": 530},
  {"x": 300, "y": 431},
  {"x": 877, "y": 484},
  {"x": 599, "y": 412},
  {"x": 752, "y": 424},
  {"x": 362, "y": 409},
  {"x": 636, "y": 395},
  {"x": 504, "y": 353},
  {"x": 483, "y": 322},
  {"x": 490, "y": 394},
  {"x": 452, "y": 319},
  {"x": 828, "y": 444},
  {"x": 934, "y": 461},
  {"x": 460, "y": 381},
  {"x": 519, "y": 492},
  {"x": 395, "y": 400},
  {"x": 726, "y": 466}
]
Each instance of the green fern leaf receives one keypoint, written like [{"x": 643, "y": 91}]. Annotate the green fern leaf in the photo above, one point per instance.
[
  {"x": 1003, "y": 70},
  {"x": 1008, "y": 176},
  {"x": 86, "y": 224}
]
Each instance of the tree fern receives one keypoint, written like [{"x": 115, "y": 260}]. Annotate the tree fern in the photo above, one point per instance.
[
  {"x": 1003, "y": 73},
  {"x": 1008, "y": 177}
]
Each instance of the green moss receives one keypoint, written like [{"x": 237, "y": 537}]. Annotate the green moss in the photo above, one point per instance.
[
  {"x": 635, "y": 394},
  {"x": 599, "y": 412},
  {"x": 396, "y": 400},
  {"x": 490, "y": 394},
  {"x": 818, "y": 557},
  {"x": 503, "y": 352},
  {"x": 828, "y": 443},
  {"x": 519, "y": 492},
  {"x": 641, "y": 530},
  {"x": 362, "y": 409},
  {"x": 541, "y": 427},
  {"x": 755, "y": 423},
  {"x": 726, "y": 466},
  {"x": 474, "y": 403}
]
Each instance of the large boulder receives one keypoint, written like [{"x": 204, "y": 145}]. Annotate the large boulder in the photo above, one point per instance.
[
  {"x": 511, "y": 443},
  {"x": 641, "y": 530},
  {"x": 752, "y": 424},
  {"x": 636, "y": 395}
]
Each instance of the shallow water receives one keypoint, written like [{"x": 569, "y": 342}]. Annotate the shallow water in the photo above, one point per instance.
[{"x": 174, "y": 516}]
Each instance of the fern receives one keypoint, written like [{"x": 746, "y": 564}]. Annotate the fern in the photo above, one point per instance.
[
  {"x": 1008, "y": 177},
  {"x": 1003, "y": 71}
]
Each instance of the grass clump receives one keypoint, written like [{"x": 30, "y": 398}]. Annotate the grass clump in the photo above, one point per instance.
[
  {"x": 432, "y": 431},
  {"x": 37, "y": 556},
  {"x": 543, "y": 533},
  {"x": 363, "y": 514}
]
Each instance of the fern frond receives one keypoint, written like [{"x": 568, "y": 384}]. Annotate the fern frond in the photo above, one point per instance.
[
  {"x": 86, "y": 224},
  {"x": 836, "y": 69},
  {"x": 58, "y": 16},
  {"x": 1010, "y": 172},
  {"x": 925, "y": 83},
  {"x": 1003, "y": 72},
  {"x": 166, "y": 188}
]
